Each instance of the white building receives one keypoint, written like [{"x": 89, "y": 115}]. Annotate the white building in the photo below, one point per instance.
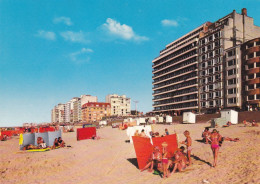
[
  {"x": 120, "y": 105},
  {"x": 58, "y": 114}
]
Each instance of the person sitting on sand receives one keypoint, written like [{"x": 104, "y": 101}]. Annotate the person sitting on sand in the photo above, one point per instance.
[
  {"x": 142, "y": 134},
  {"x": 41, "y": 144},
  {"x": 179, "y": 161},
  {"x": 61, "y": 142},
  {"x": 205, "y": 135},
  {"x": 246, "y": 123},
  {"x": 165, "y": 160},
  {"x": 254, "y": 124},
  {"x": 215, "y": 138},
  {"x": 154, "y": 161},
  {"x": 4, "y": 138},
  {"x": 188, "y": 142},
  {"x": 166, "y": 132},
  {"x": 136, "y": 133},
  {"x": 56, "y": 143},
  {"x": 156, "y": 134}
]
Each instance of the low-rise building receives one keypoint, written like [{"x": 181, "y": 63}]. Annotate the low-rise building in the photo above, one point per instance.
[{"x": 120, "y": 105}]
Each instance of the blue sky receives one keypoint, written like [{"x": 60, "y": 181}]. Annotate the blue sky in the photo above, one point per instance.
[{"x": 53, "y": 50}]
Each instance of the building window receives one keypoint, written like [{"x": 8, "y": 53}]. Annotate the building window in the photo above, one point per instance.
[
  {"x": 250, "y": 45},
  {"x": 257, "y": 75},
  {"x": 250, "y": 87},
  {"x": 250, "y": 66},
  {"x": 210, "y": 87},
  {"x": 258, "y": 97},
  {"x": 232, "y": 100},
  {"x": 250, "y": 55},
  {"x": 231, "y": 72},
  {"x": 232, "y": 62},
  {"x": 258, "y": 85},
  {"x": 231, "y": 53},
  {"x": 211, "y": 103},
  {"x": 251, "y": 76},
  {"x": 251, "y": 97},
  {"x": 232, "y": 91},
  {"x": 257, "y": 64},
  {"x": 231, "y": 81},
  {"x": 258, "y": 43}
]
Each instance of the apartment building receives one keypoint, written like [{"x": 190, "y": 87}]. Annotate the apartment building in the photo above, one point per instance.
[
  {"x": 215, "y": 39},
  {"x": 58, "y": 114},
  {"x": 120, "y": 105},
  {"x": 95, "y": 111},
  {"x": 251, "y": 70},
  {"x": 175, "y": 75},
  {"x": 202, "y": 70}
]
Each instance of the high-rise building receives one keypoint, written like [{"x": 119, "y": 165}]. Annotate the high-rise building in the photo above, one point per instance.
[
  {"x": 251, "y": 70},
  {"x": 120, "y": 105},
  {"x": 58, "y": 114},
  {"x": 202, "y": 70}
]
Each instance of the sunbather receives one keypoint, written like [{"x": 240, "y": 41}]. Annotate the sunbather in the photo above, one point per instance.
[
  {"x": 142, "y": 134},
  {"x": 215, "y": 138},
  {"x": 55, "y": 143},
  {"x": 179, "y": 161},
  {"x": 61, "y": 142},
  {"x": 136, "y": 133},
  {"x": 41, "y": 144},
  {"x": 254, "y": 124},
  {"x": 29, "y": 147}
]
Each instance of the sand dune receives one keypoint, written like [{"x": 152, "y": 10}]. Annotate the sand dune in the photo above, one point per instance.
[{"x": 111, "y": 160}]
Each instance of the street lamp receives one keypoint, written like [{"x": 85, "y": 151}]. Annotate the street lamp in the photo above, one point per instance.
[{"x": 136, "y": 107}]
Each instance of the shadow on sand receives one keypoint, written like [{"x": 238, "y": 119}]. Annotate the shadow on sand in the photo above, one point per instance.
[
  {"x": 199, "y": 159},
  {"x": 200, "y": 140},
  {"x": 133, "y": 161}
]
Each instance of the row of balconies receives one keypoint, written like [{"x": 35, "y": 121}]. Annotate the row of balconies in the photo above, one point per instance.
[
  {"x": 178, "y": 99},
  {"x": 177, "y": 86},
  {"x": 186, "y": 105},
  {"x": 176, "y": 94},
  {"x": 175, "y": 74}
]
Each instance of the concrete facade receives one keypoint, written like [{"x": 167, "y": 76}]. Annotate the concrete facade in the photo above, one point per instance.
[{"x": 120, "y": 105}]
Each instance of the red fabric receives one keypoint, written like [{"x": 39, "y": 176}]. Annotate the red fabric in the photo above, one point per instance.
[
  {"x": 171, "y": 141},
  {"x": 86, "y": 133},
  {"x": 9, "y": 133},
  {"x": 46, "y": 129},
  {"x": 144, "y": 148}
]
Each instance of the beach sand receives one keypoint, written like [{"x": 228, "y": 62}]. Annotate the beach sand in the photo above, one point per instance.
[{"x": 112, "y": 160}]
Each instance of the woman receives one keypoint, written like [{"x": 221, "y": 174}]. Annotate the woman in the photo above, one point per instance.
[
  {"x": 55, "y": 144},
  {"x": 187, "y": 142},
  {"x": 206, "y": 135},
  {"x": 215, "y": 138}
]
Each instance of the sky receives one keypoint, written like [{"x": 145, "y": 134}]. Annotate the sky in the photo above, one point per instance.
[{"x": 54, "y": 50}]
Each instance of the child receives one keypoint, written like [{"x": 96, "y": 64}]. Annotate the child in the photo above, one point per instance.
[
  {"x": 187, "y": 142},
  {"x": 165, "y": 159}
]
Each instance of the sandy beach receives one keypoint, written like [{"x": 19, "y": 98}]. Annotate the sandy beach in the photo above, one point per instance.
[{"x": 112, "y": 160}]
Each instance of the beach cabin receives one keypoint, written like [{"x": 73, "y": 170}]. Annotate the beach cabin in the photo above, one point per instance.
[
  {"x": 230, "y": 115},
  {"x": 226, "y": 115},
  {"x": 168, "y": 119},
  {"x": 189, "y": 117},
  {"x": 160, "y": 119},
  {"x": 104, "y": 123},
  {"x": 152, "y": 120}
]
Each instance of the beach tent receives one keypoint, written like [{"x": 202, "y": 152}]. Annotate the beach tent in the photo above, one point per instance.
[
  {"x": 189, "y": 117},
  {"x": 144, "y": 148},
  {"x": 131, "y": 131},
  {"x": 86, "y": 133},
  {"x": 31, "y": 138},
  {"x": 46, "y": 129}
]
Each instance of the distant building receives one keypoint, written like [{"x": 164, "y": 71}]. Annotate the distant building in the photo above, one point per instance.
[
  {"x": 58, "y": 114},
  {"x": 95, "y": 111},
  {"x": 120, "y": 105}
]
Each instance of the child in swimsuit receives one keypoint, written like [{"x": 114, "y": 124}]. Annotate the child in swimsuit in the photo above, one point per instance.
[
  {"x": 165, "y": 160},
  {"x": 187, "y": 142}
]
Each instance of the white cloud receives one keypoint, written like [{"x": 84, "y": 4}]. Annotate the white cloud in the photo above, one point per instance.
[
  {"x": 123, "y": 31},
  {"x": 79, "y": 37},
  {"x": 167, "y": 22},
  {"x": 64, "y": 20},
  {"x": 81, "y": 56},
  {"x": 46, "y": 35}
]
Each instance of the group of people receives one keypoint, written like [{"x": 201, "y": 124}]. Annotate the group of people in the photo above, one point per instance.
[
  {"x": 253, "y": 123},
  {"x": 163, "y": 163},
  {"x": 152, "y": 134},
  {"x": 58, "y": 142}
]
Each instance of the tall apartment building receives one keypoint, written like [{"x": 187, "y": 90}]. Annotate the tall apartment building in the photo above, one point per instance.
[
  {"x": 69, "y": 108},
  {"x": 251, "y": 79},
  {"x": 120, "y": 105},
  {"x": 216, "y": 71},
  {"x": 175, "y": 75},
  {"x": 95, "y": 111},
  {"x": 58, "y": 114},
  {"x": 202, "y": 70}
]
